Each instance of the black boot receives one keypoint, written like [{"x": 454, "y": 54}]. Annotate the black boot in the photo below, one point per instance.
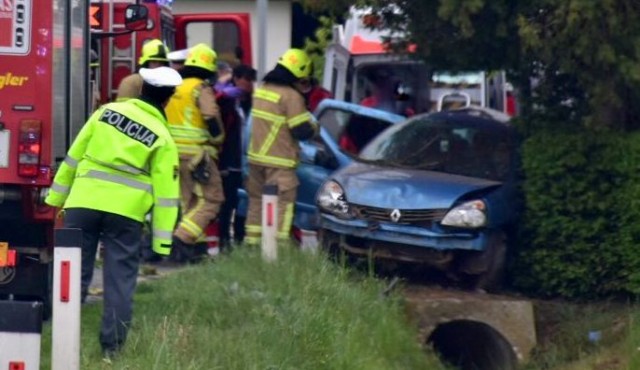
[{"x": 179, "y": 251}]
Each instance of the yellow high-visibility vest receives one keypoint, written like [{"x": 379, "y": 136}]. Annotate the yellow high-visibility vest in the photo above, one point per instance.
[{"x": 186, "y": 124}]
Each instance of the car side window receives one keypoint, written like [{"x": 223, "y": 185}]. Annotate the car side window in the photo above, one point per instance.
[{"x": 334, "y": 121}]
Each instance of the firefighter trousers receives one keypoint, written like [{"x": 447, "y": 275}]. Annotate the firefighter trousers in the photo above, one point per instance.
[
  {"x": 121, "y": 237},
  {"x": 287, "y": 182},
  {"x": 200, "y": 203}
]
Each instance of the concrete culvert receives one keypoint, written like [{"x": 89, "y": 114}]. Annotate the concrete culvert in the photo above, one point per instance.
[{"x": 472, "y": 345}]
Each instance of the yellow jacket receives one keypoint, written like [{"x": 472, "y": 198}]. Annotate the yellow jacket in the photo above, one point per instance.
[
  {"x": 123, "y": 161},
  {"x": 188, "y": 111}
]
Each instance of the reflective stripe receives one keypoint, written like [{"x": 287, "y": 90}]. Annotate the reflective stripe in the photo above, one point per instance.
[
  {"x": 71, "y": 162},
  {"x": 252, "y": 240},
  {"x": 60, "y": 188},
  {"x": 167, "y": 202},
  {"x": 253, "y": 228},
  {"x": 275, "y": 118},
  {"x": 110, "y": 177},
  {"x": 277, "y": 121},
  {"x": 267, "y": 95},
  {"x": 278, "y": 161},
  {"x": 299, "y": 119},
  {"x": 162, "y": 234},
  {"x": 122, "y": 167},
  {"x": 191, "y": 228},
  {"x": 287, "y": 219},
  {"x": 188, "y": 132},
  {"x": 271, "y": 138}
]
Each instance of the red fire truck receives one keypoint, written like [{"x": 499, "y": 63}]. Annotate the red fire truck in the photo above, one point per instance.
[
  {"x": 44, "y": 101},
  {"x": 118, "y": 50},
  {"x": 44, "y": 80},
  {"x": 43, "y": 104}
]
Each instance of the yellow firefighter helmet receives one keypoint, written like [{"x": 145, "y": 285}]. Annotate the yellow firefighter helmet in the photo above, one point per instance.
[
  {"x": 153, "y": 50},
  {"x": 202, "y": 56},
  {"x": 296, "y": 61}
]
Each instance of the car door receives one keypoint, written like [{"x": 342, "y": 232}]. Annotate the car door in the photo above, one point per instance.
[{"x": 323, "y": 155}]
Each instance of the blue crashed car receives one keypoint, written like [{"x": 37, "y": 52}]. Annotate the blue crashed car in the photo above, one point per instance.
[
  {"x": 323, "y": 155},
  {"x": 439, "y": 189}
]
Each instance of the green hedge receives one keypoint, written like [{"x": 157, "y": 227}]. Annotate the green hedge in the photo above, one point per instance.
[{"x": 580, "y": 232}]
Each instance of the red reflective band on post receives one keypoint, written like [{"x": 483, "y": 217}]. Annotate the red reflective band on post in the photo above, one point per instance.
[
  {"x": 269, "y": 214},
  {"x": 65, "y": 280},
  {"x": 16, "y": 365},
  {"x": 11, "y": 258}
]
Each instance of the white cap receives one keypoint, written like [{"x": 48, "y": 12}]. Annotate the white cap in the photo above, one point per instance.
[
  {"x": 161, "y": 76},
  {"x": 178, "y": 55}
]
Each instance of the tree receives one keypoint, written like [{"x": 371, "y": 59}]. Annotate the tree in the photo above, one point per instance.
[{"x": 582, "y": 55}]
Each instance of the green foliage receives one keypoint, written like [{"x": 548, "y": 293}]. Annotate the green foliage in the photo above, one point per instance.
[
  {"x": 316, "y": 47},
  {"x": 593, "y": 45},
  {"x": 300, "y": 312},
  {"x": 580, "y": 232}
]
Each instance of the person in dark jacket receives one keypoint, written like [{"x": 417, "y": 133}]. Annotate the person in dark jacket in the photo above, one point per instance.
[{"x": 230, "y": 97}]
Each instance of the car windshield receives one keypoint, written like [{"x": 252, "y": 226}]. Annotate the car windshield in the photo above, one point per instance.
[{"x": 445, "y": 143}]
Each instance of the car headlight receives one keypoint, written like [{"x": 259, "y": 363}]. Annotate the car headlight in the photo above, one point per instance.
[
  {"x": 470, "y": 215},
  {"x": 331, "y": 199}
]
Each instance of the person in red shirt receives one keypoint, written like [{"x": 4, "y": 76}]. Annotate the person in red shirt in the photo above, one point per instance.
[{"x": 316, "y": 94}]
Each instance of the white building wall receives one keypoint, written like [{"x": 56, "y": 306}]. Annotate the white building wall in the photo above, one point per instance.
[{"x": 278, "y": 25}]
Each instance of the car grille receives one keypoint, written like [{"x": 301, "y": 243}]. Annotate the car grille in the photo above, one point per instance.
[{"x": 407, "y": 216}]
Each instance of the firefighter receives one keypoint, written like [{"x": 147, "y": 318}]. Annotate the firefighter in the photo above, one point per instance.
[
  {"x": 196, "y": 126},
  {"x": 153, "y": 55},
  {"x": 123, "y": 164},
  {"x": 279, "y": 120}
]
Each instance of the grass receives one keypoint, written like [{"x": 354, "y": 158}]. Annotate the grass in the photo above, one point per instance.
[
  {"x": 300, "y": 312},
  {"x": 563, "y": 335}
]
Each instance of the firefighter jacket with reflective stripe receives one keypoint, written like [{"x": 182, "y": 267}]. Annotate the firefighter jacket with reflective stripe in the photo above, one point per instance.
[
  {"x": 130, "y": 87},
  {"x": 123, "y": 161},
  {"x": 188, "y": 110},
  {"x": 276, "y": 110}
]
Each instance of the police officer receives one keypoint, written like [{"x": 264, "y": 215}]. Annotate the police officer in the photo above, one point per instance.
[
  {"x": 177, "y": 58},
  {"x": 196, "y": 126},
  {"x": 122, "y": 165},
  {"x": 280, "y": 119},
  {"x": 153, "y": 55}
]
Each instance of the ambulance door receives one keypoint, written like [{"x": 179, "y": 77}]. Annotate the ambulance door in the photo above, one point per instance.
[{"x": 336, "y": 68}]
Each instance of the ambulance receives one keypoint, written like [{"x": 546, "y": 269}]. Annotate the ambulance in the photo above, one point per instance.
[{"x": 359, "y": 64}]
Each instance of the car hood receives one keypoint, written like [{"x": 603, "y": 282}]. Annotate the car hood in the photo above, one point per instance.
[{"x": 386, "y": 187}]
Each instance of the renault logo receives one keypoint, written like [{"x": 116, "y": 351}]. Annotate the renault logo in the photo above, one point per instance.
[{"x": 395, "y": 215}]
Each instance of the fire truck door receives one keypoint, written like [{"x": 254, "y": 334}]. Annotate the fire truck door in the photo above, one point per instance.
[{"x": 228, "y": 34}]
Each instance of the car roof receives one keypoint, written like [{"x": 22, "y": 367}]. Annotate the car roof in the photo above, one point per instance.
[
  {"x": 358, "y": 109},
  {"x": 472, "y": 118}
]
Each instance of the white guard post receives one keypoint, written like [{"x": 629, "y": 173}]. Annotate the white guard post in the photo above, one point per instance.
[
  {"x": 20, "y": 332},
  {"x": 67, "y": 259},
  {"x": 269, "y": 222}
]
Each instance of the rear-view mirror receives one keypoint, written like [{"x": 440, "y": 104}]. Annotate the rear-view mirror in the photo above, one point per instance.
[{"x": 135, "y": 17}]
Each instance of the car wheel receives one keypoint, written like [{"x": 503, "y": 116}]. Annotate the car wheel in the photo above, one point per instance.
[
  {"x": 329, "y": 242},
  {"x": 484, "y": 271}
]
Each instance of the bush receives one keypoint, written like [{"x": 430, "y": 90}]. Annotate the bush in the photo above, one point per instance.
[{"x": 579, "y": 233}]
